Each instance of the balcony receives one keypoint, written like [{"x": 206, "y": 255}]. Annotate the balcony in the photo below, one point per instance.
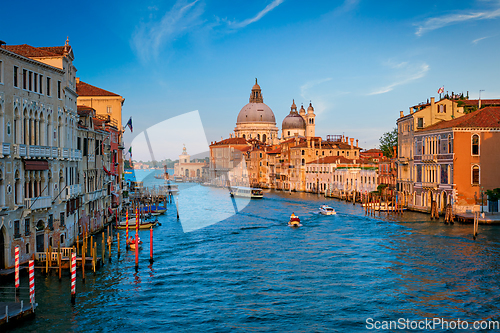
[
  {"x": 64, "y": 153},
  {"x": 54, "y": 152},
  {"x": 430, "y": 185},
  {"x": 20, "y": 150},
  {"x": 94, "y": 195},
  {"x": 39, "y": 151},
  {"x": 429, "y": 158},
  {"x": 76, "y": 154},
  {"x": 38, "y": 203},
  {"x": 403, "y": 160},
  {"x": 73, "y": 191},
  {"x": 5, "y": 148}
]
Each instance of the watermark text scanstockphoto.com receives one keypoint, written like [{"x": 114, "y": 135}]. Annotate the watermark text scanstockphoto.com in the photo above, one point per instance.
[{"x": 431, "y": 324}]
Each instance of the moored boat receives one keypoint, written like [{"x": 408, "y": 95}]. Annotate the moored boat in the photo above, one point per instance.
[
  {"x": 246, "y": 192},
  {"x": 142, "y": 225},
  {"x": 327, "y": 210}
]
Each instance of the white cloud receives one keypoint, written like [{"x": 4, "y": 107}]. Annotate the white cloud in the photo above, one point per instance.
[
  {"x": 347, "y": 6},
  {"x": 308, "y": 85},
  {"x": 442, "y": 21},
  {"x": 475, "y": 41},
  {"x": 149, "y": 38},
  {"x": 410, "y": 73},
  {"x": 261, "y": 14}
]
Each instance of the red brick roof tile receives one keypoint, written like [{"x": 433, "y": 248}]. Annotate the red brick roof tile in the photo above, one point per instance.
[
  {"x": 332, "y": 159},
  {"x": 486, "y": 117},
  {"x": 30, "y": 51},
  {"x": 85, "y": 89},
  {"x": 233, "y": 141}
]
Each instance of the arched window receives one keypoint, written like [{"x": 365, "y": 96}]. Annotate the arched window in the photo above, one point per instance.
[
  {"x": 303, "y": 152},
  {"x": 475, "y": 175},
  {"x": 258, "y": 137},
  {"x": 475, "y": 144},
  {"x": 244, "y": 137},
  {"x": 450, "y": 144},
  {"x": 264, "y": 138}
]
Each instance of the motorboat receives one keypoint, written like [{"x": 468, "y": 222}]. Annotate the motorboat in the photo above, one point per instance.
[
  {"x": 294, "y": 221},
  {"x": 327, "y": 210},
  {"x": 131, "y": 242},
  {"x": 246, "y": 192}
]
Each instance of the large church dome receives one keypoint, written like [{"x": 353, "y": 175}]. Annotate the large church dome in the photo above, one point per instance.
[
  {"x": 294, "y": 120},
  {"x": 256, "y": 111}
]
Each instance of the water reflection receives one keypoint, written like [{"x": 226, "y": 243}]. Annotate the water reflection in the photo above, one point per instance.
[{"x": 252, "y": 272}]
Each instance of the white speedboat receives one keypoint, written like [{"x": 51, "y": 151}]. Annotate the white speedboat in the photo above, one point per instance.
[
  {"x": 327, "y": 210},
  {"x": 246, "y": 192}
]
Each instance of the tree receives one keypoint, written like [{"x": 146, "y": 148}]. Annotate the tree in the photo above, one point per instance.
[{"x": 387, "y": 141}]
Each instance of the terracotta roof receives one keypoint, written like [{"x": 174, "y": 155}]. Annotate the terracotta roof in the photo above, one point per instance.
[
  {"x": 243, "y": 149},
  {"x": 485, "y": 117},
  {"x": 275, "y": 151},
  {"x": 233, "y": 141},
  {"x": 58, "y": 50},
  {"x": 472, "y": 102},
  {"x": 85, "y": 89},
  {"x": 30, "y": 51},
  {"x": 373, "y": 150},
  {"x": 332, "y": 159}
]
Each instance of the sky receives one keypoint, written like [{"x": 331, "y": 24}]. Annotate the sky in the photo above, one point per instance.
[{"x": 358, "y": 62}]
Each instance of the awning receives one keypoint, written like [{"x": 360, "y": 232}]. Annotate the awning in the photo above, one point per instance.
[
  {"x": 106, "y": 170},
  {"x": 36, "y": 165}
]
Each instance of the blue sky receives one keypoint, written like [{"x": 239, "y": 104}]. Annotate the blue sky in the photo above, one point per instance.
[{"x": 359, "y": 62}]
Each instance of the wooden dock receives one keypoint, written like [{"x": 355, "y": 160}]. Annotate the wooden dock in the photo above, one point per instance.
[{"x": 13, "y": 312}]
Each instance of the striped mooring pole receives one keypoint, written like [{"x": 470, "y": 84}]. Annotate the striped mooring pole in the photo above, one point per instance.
[
  {"x": 17, "y": 269},
  {"x": 73, "y": 277},
  {"x": 32, "y": 282},
  {"x": 126, "y": 227}
]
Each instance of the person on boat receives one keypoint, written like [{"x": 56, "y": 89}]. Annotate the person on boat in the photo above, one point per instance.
[{"x": 293, "y": 215}]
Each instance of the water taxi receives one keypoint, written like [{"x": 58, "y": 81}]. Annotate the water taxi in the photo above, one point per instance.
[
  {"x": 294, "y": 221},
  {"x": 246, "y": 192},
  {"x": 327, "y": 210}
]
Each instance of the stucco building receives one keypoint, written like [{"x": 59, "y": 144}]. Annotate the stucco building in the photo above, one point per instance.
[
  {"x": 39, "y": 160},
  {"x": 457, "y": 160}
]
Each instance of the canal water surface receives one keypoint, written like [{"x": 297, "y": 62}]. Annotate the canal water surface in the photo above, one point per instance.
[{"x": 251, "y": 272}]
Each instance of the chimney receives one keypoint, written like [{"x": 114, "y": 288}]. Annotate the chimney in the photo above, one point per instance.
[
  {"x": 357, "y": 143},
  {"x": 347, "y": 139},
  {"x": 352, "y": 143},
  {"x": 342, "y": 138},
  {"x": 395, "y": 149},
  {"x": 401, "y": 114},
  {"x": 77, "y": 80},
  {"x": 432, "y": 100}
]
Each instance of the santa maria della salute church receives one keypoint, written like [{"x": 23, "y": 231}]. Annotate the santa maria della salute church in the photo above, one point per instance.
[{"x": 256, "y": 121}]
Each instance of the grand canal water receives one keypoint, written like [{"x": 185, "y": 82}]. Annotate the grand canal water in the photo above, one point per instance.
[{"x": 250, "y": 272}]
